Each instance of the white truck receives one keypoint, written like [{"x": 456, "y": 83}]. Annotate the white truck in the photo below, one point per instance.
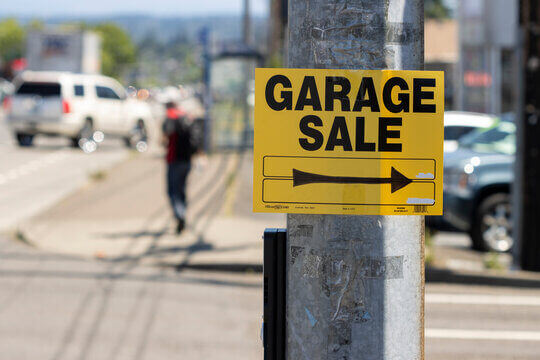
[
  {"x": 55, "y": 49},
  {"x": 75, "y": 106}
]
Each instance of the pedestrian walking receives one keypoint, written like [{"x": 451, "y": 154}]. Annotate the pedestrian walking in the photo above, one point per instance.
[{"x": 179, "y": 143}]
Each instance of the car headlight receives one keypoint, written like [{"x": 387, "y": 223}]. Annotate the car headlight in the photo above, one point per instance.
[
  {"x": 467, "y": 177},
  {"x": 459, "y": 180},
  {"x": 463, "y": 181}
]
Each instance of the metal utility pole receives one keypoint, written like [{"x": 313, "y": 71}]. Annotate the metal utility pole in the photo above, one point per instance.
[
  {"x": 207, "y": 91},
  {"x": 278, "y": 26},
  {"x": 355, "y": 284},
  {"x": 247, "y": 78},
  {"x": 527, "y": 186},
  {"x": 246, "y": 33}
]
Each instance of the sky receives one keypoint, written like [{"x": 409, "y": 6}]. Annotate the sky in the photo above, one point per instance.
[
  {"x": 451, "y": 3},
  {"x": 173, "y": 8}
]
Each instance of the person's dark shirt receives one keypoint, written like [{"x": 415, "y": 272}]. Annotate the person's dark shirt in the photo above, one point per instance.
[{"x": 179, "y": 147}]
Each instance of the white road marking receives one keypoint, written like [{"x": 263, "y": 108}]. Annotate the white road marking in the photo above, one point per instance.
[
  {"x": 461, "y": 334},
  {"x": 481, "y": 299},
  {"x": 31, "y": 166}
]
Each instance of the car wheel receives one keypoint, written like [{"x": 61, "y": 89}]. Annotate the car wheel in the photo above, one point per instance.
[
  {"x": 138, "y": 137},
  {"x": 492, "y": 229},
  {"x": 84, "y": 134},
  {"x": 85, "y": 137},
  {"x": 87, "y": 130},
  {"x": 74, "y": 142},
  {"x": 24, "y": 139}
]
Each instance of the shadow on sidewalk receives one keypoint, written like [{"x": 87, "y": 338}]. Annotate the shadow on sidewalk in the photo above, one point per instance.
[{"x": 518, "y": 279}]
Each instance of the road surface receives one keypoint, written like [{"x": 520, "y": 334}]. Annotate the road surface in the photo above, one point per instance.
[
  {"x": 31, "y": 179},
  {"x": 57, "y": 307}
]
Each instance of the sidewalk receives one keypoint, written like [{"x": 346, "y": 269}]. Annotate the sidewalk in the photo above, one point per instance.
[
  {"x": 126, "y": 215},
  {"x": 451, "y": 260}
]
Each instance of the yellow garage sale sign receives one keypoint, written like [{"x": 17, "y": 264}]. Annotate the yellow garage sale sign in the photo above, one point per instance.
[{"x": 348, "y": 142}]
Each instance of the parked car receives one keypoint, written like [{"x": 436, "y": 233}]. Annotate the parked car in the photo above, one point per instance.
[
  {"x": 456, "y": 125},
  {"x": 6, "y": 89},
  {"x": 477, "y": 182},
  {"x": 459, "y": 123},
  {"x": 75, "y": 106}
]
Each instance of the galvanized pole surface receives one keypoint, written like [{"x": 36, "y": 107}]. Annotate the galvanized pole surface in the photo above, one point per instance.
[{"x": 355, "y": 284}]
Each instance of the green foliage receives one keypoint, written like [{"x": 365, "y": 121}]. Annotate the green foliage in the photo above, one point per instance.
[
  {"x": 436, "y": 9},
  {"x": 98, "y": 175},
  {"x": 492, "y": 261},
  {"x": 275, "y": 61},
  {"x": 36, "y": 25},
  {"x": 118, "y": 51},
  {"x": 176, "y": 61},
  {"x": 12, "y": 37}
]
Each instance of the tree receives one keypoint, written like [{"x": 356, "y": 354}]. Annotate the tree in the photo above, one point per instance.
[
  {"x": 436, "y": 9},
  {"x": 12, "y": 37},
  {"x": 35, "y": 25},
  {"x": 117, "y": 49},
  {"x": 176, "y": 61}
]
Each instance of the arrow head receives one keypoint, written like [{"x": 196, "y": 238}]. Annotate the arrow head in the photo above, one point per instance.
[
  {"x": 303, "y": 178},
  {"x": 398, "y": 180}
]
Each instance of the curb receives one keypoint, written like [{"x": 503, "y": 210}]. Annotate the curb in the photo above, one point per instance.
[
  {"x": 512, "y": 279},
  {"x": 433, "y": 275},
  {"x": 221, "y": 267}
]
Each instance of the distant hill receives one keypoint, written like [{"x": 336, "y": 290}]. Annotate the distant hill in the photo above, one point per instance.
[{"x": 226, "y": 27}]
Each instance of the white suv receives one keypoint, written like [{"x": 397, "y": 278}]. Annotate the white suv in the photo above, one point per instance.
[{"x": 74, "y": 106}]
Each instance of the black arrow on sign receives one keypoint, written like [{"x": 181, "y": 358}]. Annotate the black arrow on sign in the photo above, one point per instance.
[{"x": 397, "y": 180}]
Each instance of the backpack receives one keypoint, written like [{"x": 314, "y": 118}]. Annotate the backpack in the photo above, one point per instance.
[{"x": 179, "y": 132}]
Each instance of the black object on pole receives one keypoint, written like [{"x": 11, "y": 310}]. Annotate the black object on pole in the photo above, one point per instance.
[
  {"x": 528, "y": 139},
  {"x": 274, "y": 294}
]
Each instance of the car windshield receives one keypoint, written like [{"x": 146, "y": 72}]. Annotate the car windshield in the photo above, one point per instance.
[
  {"x": 455, "y": 132},
  {"x": 39, "y": 88},
  {"x": 500, "y": 138}
]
